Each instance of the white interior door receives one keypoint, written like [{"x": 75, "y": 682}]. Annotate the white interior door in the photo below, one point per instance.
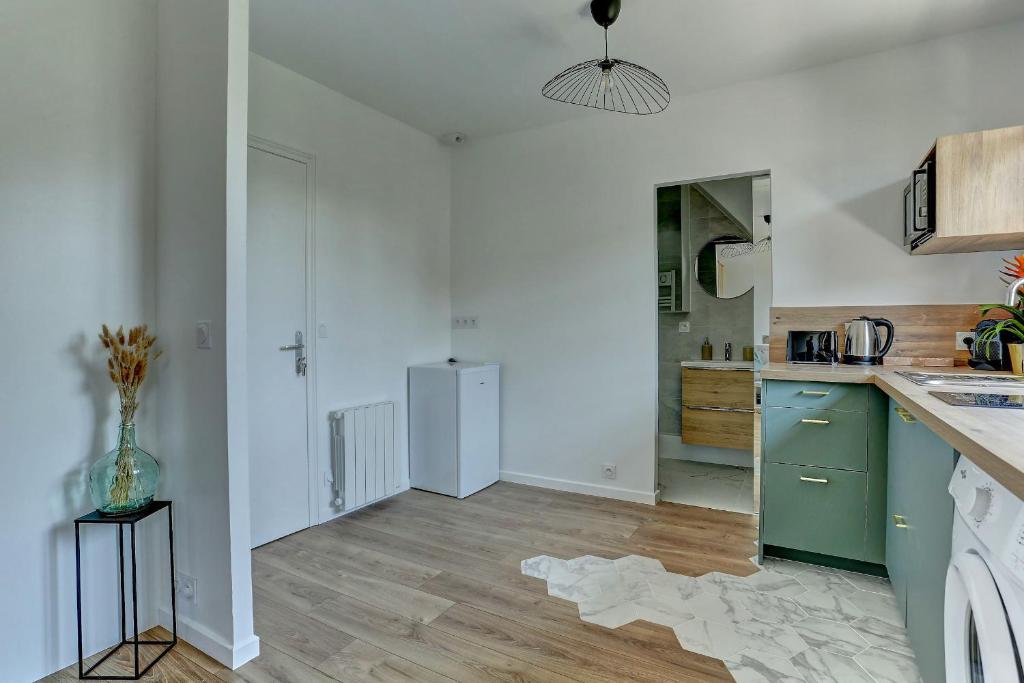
[{"x": 280, "y": 465}]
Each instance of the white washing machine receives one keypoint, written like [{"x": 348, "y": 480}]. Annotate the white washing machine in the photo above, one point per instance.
[{"x": 984, "y": 611}]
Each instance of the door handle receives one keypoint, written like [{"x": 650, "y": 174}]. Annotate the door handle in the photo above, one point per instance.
[
  {"x": 809, "y": 421},
  {"x": 814, "y": 480},
  {"x": 905, "y": 415},
  {"x": 900, "y": 521},
  {"x": 300, "y": 358}
]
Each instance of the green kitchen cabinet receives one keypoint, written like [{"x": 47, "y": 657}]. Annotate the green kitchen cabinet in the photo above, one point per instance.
[
  {"x": 809, "y": 509},
  {"x": 794, "y": 436},
  {"x": 919, "y": 533},
  {"x": 823, "y": 471},
  {"x": 819, "y": 395}
]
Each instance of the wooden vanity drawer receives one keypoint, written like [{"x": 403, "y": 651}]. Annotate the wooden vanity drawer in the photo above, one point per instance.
[
  {"x": 814, "y": 509},
  {"x": 823, "y": 438},
  {"x": 722, "y": 428},
  {"x": 821, "y": 395},
  {"x": 718, "y": 388}
]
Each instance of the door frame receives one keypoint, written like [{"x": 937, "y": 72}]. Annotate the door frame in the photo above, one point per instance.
[
  {"x": 312, "y": 440},
  {"x": 657, "y": 311}
]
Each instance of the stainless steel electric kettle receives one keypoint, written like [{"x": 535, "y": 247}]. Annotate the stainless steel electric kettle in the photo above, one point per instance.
[{"x": 863, "y": 345}]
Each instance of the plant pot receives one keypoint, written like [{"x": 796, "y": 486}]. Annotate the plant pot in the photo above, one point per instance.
[
  {"x": 125, "y": 479},
  {"x": 1016, "y": 358}
]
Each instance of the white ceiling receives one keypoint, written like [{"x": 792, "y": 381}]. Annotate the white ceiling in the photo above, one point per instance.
[{"x": 477, "y": 66}]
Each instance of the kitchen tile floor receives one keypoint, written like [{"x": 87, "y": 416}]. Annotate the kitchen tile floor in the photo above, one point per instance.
[
  {"x": 720, "y": 487},
  {"x": 787, "y": 622}
]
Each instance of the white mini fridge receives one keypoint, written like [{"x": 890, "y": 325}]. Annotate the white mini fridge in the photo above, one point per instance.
[{"x": 453, "y": 427}]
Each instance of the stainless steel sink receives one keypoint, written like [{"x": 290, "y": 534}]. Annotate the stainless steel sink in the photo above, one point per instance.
[{"x": 960, "y": 379}]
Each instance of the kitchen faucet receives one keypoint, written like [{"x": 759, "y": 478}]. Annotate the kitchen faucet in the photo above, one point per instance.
[
  {"x": 1011, "y": 294},
  {"x": 728, "y": 345}
]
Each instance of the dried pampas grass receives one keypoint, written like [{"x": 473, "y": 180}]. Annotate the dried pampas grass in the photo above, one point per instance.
[{"x": 128, "y": 364}]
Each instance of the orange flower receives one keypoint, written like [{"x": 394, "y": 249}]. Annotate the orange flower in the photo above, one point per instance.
[{"x": 1014, "y": 268}]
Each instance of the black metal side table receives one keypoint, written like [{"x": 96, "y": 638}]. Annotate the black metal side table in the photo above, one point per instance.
[{"x": 129, "y": 520}]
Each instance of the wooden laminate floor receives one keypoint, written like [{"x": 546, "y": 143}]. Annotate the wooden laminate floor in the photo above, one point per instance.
[{"x": 423, "y": 587}]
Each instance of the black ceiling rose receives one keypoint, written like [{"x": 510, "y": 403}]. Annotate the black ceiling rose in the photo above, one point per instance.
[
  {"x": 605, "y": 12},
  {"x": 609, "y": 83}
]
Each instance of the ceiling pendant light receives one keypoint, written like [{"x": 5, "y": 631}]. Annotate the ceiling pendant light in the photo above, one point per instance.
[{"x": 610, "y": 84}]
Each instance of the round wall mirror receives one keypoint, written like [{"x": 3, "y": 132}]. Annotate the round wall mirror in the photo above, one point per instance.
[{"x": 724, "y": 267}]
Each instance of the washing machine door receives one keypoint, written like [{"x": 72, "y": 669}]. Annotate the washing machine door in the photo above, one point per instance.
[{"x": 979, "y": 645}]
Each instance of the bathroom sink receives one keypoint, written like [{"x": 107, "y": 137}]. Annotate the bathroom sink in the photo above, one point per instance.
[
  {"x": 961, "y": 379},
  {"x": 719, "y": 364}
]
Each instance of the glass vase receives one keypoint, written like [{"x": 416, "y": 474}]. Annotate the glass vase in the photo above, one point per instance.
[{"x": 125, "y": 479}]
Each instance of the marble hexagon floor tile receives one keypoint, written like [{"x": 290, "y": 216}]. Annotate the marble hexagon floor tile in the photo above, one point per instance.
[{"x": 786, "y": 622}]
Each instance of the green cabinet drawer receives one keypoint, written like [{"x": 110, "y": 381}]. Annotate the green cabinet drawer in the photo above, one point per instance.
[
  {"x": 821, "y": 395},
  {"x": 823, "y": 438},
  {"x": 814, "y": 509}
]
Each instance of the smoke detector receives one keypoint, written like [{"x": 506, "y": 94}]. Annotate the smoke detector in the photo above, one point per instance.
[{"x": 453, "y": 139}]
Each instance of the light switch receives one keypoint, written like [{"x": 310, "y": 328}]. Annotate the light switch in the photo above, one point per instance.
[
  {"x": 684, "y": 327},
  {"x": 321, "y": 330},
  {"x": 203, "y": 340}
]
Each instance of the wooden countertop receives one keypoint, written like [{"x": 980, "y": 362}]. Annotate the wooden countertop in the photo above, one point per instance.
[{"x": 992, "y": 438}]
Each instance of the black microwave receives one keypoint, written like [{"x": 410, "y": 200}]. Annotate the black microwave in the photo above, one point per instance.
[{"x": 919, "y": 206}]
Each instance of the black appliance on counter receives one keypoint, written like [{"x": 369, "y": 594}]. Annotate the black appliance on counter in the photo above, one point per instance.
[
  {"x": 986, "y": 356},
  {"x": 815, "y": 346}
]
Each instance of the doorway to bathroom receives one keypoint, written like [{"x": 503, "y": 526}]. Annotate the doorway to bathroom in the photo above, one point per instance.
[{"x": 714, "y": 296}]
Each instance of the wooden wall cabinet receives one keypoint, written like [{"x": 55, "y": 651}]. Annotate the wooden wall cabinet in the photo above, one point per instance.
[
  {"x": 979, "y": 192},
  {"x": 718, "y": 408}
]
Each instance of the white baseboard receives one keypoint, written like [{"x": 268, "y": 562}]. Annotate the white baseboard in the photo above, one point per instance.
[
  {"x": 671, "y": 446},
  {"x": 631, "y": 495},
  {"x": 231, "y": 656}
]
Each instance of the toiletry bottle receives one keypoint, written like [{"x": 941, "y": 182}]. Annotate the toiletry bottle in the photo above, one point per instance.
[{"x": 705, "y": 349}]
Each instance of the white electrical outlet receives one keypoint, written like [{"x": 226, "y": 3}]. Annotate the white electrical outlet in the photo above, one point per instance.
[
  {"x": 960, "y": 336},
  {"x": 608, "y": 471},
  {"x": 684, "y": 327},
  {"x": 465, "y": 322},
  {"x": 185, "y": 587}
]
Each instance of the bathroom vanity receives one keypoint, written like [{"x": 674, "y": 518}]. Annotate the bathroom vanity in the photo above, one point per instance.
[{"x": 718, "y": 404}]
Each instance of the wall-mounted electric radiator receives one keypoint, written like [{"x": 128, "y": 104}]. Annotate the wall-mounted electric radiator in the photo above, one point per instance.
[{"x": 363, "y": 452}]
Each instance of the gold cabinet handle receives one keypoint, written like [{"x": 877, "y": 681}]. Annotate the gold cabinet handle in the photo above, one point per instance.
[
  {"x": 814, "y": 480},
  {"x": 808, "y": 392},
  {"x": 905, "y": 415},
  {"x": 809, "y": 421},
  {"x": 900, "y": 521}
]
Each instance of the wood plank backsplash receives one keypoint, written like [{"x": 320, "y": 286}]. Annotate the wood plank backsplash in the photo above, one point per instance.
[{"x": 922, "y": 331}]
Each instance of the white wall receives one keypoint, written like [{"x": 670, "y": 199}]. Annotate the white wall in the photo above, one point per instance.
[
  {"x": 77, "y": 227},
  {"x": 736, "y": 196},
  {"x": 382, "y": 251},
  {"x": 553, "y": 232},
  {"x": 761, "y": 202},
  {"x": 201, "y": 132}
]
